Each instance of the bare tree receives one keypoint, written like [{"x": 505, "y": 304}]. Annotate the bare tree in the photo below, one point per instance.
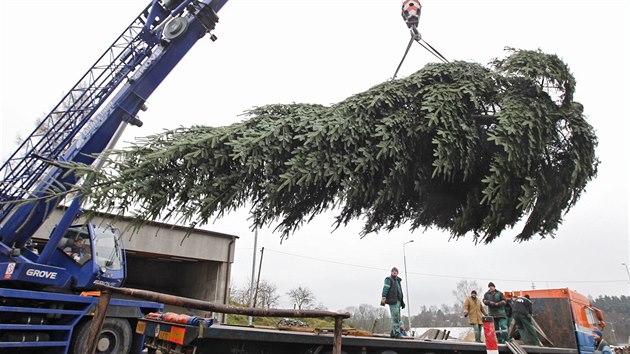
[
  {"x": 240, "y": 295},
  {"x": 266, "y": 297},
  {"x": 463, "y": 289},
  {"x": 301, "y": 297}
]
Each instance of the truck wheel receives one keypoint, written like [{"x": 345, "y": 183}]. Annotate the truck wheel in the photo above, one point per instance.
[{"x": 115, "y": 337}]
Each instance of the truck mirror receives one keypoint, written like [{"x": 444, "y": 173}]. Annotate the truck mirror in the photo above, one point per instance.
[{"x": 599, "y": 314}]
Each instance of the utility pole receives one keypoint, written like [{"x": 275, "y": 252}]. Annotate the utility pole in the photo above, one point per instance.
[
  {"x": 262, "y": 251},
  {"x": 407, "y": 287},
  {"x": 250, "y": 319}
]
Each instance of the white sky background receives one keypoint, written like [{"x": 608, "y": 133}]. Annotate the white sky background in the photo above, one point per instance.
[{"x": 273, "y": 51}]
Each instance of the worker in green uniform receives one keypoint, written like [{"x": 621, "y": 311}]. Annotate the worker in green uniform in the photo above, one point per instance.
[
  {"x": 392, "y": 295},
  {"x": 522, "y": 313},
  {"x": 495, "y": 300}
]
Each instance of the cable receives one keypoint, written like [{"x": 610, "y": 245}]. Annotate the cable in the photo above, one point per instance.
[
  {"x": 415, "y": 36},
  {"x": 447, "y": 275},
  {"x": 403, "y": 58},
  {"x": 433, "y": 50},
  {"x": 325, "y": 260}
]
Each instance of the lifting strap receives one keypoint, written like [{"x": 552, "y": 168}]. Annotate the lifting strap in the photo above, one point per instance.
[
  {"x": 424, "y": 45},
  {"x": 403, "y": 58},
  {"x": 432, "y": 50},
  {"x": 411, "y": 14}
]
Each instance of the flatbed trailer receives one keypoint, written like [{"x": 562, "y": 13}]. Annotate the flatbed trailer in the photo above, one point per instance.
[{"x": 172, "y": 338}]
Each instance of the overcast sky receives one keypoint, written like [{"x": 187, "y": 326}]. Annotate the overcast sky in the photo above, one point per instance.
[{"x": 308, "y": 51}]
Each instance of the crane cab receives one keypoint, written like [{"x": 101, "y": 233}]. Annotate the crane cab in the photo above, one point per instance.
[
  {"x": 86, "y": 254},
  {"x": 91, "y": 253}
]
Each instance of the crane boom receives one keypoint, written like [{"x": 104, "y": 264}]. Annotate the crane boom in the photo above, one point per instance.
[{"x": 84, "y": 121}]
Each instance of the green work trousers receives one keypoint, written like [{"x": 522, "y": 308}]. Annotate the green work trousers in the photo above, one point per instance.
[
  {"x": 394, "y": 311},
  {"x": 477, "y": 327},
  {"x": 500, "y": 327},
  {"x": 526, "y": 329}
]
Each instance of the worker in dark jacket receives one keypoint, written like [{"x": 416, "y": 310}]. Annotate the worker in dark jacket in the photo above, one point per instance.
[
  {"x": 392, "y": 295},
  {"x": 522, "y": 312},
  {"x": 508, "y": 312},
  {"x": 495, "y": 300}
]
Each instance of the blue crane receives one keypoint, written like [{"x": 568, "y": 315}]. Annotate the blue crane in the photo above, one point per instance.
[{"x": 87, "y": 121}]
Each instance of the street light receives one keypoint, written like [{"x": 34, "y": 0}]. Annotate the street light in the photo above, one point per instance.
[
  {"x": 627, "y": 271},
  {"x": 407, "y": 287}
]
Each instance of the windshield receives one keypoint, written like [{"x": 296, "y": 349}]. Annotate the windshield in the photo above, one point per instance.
[
  {"x": 107, "y": 247},
  {"x": 76, "y": 244}
]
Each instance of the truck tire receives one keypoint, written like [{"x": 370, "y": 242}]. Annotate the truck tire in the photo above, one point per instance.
[{"x": 115, "y": 337}]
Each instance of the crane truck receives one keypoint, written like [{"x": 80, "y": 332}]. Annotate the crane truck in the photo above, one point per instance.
[{"x": 44, "y": 302}]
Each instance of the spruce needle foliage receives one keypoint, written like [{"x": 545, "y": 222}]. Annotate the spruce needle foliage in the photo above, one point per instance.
[{"x": 458, "y": 146}]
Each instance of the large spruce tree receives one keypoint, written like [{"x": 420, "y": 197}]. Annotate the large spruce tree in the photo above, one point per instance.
[{"x": 459, "y": 146}]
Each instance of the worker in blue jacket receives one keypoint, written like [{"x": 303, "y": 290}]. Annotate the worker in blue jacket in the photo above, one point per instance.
[
  {"x": 392, "y": 295},
  {"x": 601, "y": 346}
]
